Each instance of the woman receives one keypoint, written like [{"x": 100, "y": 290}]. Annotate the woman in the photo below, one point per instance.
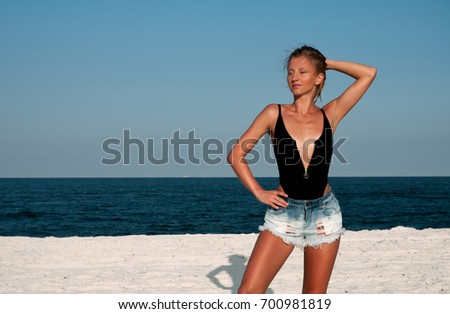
[{"x": 303, "y": 211}]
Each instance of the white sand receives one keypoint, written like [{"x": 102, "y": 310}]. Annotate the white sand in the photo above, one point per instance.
[{"x": 401, "y": 260}]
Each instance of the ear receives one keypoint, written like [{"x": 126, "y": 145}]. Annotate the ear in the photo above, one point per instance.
[{"x": 319, "y": 79}]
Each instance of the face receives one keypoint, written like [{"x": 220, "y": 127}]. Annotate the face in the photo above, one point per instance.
[{"x": 302, "y": 77}]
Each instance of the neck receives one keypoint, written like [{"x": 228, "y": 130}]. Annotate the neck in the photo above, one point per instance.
[{"x": 304, "y": 106}]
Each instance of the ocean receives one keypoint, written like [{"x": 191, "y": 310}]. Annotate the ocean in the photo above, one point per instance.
[{"x": 64, "y": 207}]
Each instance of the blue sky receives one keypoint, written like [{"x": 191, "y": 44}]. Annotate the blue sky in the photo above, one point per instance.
[{"x": 76, "y": 73}]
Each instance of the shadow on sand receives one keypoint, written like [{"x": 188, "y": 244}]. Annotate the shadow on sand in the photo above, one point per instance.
[{"x": 234, "y": 271}]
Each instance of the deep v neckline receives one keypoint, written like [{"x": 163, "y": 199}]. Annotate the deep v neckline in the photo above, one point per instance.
[{"x": 296, "y": 143}]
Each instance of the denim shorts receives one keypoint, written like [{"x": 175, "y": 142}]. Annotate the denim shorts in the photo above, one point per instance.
[{"x": 306, "y": 222}]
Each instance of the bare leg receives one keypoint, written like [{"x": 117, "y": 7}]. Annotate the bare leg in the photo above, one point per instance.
[
  {"x": 269, "y": 254},
  {"x": 318, "y": 267}
]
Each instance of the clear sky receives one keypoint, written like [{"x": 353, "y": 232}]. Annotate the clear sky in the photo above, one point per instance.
[{"x": 74, "y": 74}]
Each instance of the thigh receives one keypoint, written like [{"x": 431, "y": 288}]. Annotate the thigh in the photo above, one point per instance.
[
  {"x": 318, "y": 266},
  {"x": 269, "y": 254}
]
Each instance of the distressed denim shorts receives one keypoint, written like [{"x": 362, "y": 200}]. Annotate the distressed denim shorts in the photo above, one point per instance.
[{"x": 306, "y": 222}]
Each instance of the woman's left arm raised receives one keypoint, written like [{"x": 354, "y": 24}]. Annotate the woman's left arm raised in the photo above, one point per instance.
[{"x": 363, "y": 75}]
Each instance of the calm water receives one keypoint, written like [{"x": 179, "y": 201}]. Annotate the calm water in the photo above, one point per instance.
[{"x": 125, "y": 206}]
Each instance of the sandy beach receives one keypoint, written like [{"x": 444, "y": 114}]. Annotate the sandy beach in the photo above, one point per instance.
[{"x": 400, "y": 260}]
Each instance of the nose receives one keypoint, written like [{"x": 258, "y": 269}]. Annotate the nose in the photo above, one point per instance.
[{"x": 295, "y": 76}]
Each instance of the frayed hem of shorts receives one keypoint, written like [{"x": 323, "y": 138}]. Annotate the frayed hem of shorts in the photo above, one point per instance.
[
  {"x": 282, "y": 237},
  {"x": 330, "y": 239}
]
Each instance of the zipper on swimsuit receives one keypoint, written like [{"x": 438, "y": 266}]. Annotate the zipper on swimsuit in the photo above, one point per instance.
[{"x": 306, "y": 175}]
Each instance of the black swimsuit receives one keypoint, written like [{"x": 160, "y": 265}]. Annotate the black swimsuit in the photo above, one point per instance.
[{"x": 296, "y": 181}]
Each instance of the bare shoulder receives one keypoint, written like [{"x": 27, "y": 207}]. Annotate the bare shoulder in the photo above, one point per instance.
[
  {"x": 271, "y": 110},
  {"x": 268, "y": 114},
  {"x": 330, "y": 110},
  {"x": 264, "y": 121}
]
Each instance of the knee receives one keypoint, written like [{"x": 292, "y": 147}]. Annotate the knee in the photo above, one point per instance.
[
  {"x": 315, "y": 290},
  {"x": 245, "y": 289}
]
